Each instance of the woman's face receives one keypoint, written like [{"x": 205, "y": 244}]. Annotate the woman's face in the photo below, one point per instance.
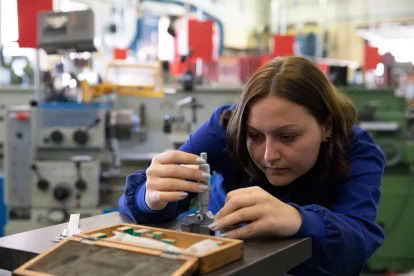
[{"x": 283, "y": 139}]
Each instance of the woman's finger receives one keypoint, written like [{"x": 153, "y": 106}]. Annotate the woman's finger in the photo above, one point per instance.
[
  {"x": 248, "y": 231},
  {"x": 176, "y": 156},
  {"x": 241, "y": 191},
  {"x": 179, "y": 172},
  {"x": 193, "y": 167},
  {"x": 158, "y": 196},
  {"x": 173, "y": 184},
  {"x": 251, "y": 213},
  {"x": 235, "y": 203}
]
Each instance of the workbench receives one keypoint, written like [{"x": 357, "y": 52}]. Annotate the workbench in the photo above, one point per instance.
[{"x": 261, "y": 256}]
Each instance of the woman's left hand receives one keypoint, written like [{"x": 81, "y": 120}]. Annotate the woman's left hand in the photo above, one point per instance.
[{"x": 267, "y": 215}]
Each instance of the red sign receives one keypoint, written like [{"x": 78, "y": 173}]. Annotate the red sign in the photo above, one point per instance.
[
  {"x": 371, "y": 58},
  {"x": 120, "y": 54},
  {"x": 200, "y": 39},
  {"x": 27, "y": 11},
  {"x": 283, "y": 45}
]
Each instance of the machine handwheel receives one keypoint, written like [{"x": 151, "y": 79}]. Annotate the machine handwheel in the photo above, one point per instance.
[{"x": 81, "y": 137}]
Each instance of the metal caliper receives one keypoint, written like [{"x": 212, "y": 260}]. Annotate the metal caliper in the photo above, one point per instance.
[{"x": 199, "y": 222}]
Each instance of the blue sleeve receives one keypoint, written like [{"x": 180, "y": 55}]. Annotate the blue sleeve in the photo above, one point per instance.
[
  {"x": 132, "y": 202},
  {"x": 209, "y": 138},
  {"x": 346, "y": 235}
]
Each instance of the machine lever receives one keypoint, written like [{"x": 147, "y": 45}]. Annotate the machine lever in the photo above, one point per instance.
[
  {"x": 80, "y": 183},
  {"x": 81, "y": 136},
  {"x": 93, "y": 124},
  {"x": 42, "y": 183},
  {"x": 34, "y": 168}
]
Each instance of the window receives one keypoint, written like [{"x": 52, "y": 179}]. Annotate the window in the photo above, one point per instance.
[
  {"x": 165, "y": 40},
  {"x": 73, "y": 5},
  {"x": 9, "y": 28}
]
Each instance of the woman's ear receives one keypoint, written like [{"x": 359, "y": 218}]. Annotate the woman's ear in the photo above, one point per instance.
[
  {"x": 327, "y": 128},
  {"x": 225, "y": 117}
]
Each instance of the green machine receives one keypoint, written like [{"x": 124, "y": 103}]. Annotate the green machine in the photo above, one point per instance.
[{"x": 391, "y": 123}]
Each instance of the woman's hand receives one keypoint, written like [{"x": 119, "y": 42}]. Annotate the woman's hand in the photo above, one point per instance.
[
  {"x": 267, "y": 215},
  {"x": 167, "y": 181}
]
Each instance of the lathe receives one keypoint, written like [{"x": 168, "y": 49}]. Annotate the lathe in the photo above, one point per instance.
[{"x": 63, "y": 146}]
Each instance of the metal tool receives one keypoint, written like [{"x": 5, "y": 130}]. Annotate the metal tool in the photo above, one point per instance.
[
  {"x": 199, "y": 222},
  {"x": 72, "y": 228}
]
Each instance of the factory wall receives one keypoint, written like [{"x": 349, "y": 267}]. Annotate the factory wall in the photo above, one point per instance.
[
  {"x": 341, "y": 17},
  {"x": 347, "y": 10},
  {"x": 247, "y": 17}
]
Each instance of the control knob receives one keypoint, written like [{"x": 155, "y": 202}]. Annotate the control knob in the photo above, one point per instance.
[
  {"x": 43, "y": 184},
  {"x": 81, "y": 137},
  {"x": 81, "y": 185},
  {"x": 61, "y": 192},
  {"x": 57, "y": 136}
]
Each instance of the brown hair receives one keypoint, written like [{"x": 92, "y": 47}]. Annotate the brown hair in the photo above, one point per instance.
[{"x": 300, "y": 81}]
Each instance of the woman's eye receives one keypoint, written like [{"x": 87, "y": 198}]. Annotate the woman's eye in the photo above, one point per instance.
[
  {"x": 254, "y": 136},
  {"x": 288, "y": 138}
]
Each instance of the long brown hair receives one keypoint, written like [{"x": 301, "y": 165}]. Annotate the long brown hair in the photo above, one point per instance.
[{"x": 300, "y": 81}]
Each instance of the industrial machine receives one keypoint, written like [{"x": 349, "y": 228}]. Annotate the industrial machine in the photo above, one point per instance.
[
  {"x": 389, "y": 118},
  {"x": 60, "y": 148},
  {"x": 55, "y": 161}
]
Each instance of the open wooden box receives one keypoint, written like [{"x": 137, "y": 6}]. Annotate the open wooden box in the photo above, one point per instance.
[{"x": 92, "y": 253}]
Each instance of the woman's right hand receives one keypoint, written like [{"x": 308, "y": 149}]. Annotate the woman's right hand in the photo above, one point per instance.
[{"x": 166, "y": 180}]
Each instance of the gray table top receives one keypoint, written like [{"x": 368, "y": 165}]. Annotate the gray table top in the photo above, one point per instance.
[{"x": 262, "y": 256}]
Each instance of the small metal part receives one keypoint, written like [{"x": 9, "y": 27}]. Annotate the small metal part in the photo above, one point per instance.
[
  {"x": 204, "y": 156},
  {"x": 192, "y": 225},
  {"x": 199, "y": 217},
  {"x": 61, "y": 237},
  {"x": 70, "y": 230},
  {"x": 204, "y": 197}
]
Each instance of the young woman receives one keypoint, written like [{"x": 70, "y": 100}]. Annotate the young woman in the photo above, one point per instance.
[{"x": 293, "y": 164}]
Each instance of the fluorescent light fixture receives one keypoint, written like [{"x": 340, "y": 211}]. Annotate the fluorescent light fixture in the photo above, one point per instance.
[{"x": 395, "y": 38}]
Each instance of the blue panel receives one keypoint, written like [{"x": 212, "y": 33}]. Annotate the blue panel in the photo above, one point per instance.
[
  {"x": 3, "y": 210},
  {"x": 147, "y": 28},
  {"x": 109, "y": 210},
  {"x": 137, "y": 38},
  {"x": 67, "y": 117},
  {"x": 66, "y": 105}
]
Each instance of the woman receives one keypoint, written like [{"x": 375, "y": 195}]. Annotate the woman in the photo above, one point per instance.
[{"x": 293, "y": 162}]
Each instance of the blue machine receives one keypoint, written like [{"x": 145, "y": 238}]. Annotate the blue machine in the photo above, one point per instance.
[{"x": 3, "y": 211}]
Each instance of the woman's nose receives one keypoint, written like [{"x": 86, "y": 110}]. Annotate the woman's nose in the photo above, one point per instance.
[{"x": 272, "y": 152}]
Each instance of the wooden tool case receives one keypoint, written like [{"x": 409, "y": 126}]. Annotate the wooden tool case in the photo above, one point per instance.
[{"x": 93, "y": 253}]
